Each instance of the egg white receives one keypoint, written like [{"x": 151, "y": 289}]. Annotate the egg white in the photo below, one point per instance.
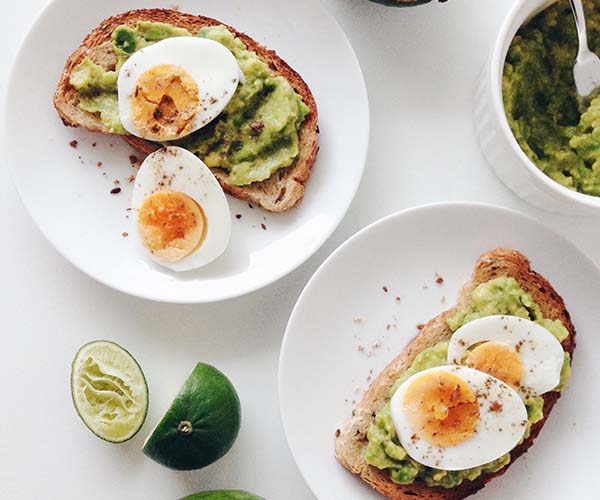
[
  {"x": 176, "y": 169},
  {"x": 497, "y": 432},
  {"x": 540, "y": 352},
  {"x": 212, "y": 66}
]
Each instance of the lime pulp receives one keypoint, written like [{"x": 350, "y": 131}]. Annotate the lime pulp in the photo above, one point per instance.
[{"x": 109, "y": 391}]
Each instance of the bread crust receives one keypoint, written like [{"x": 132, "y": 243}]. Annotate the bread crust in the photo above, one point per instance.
[
  {"x": 351, "y": 438},
  {"x": 283, "y": 190}
]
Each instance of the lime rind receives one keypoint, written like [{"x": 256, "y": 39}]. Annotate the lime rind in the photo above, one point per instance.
[
  {"x": 109, "y": 391},
  {"x": 201, "y": 424},
  {"x": 223, "y": 495}
]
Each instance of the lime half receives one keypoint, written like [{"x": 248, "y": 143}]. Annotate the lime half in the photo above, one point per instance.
[
  {"x": 109, "y": 391},
  {"x": 201, "y": 424},
  {"x": 223, "y": 495}
]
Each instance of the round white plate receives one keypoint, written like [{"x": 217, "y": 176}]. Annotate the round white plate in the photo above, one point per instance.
[
  {"x": 68, "y": 195},
  {"x": 324, "y": 371}
]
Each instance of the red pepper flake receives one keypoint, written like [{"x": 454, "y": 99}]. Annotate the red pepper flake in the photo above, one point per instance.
[
  {"x": 133, "y": 159},
  {"x": 439, "y": 280},
  {"x": 117, "y": 182},
  {"x": 124, "y": 234},
  {"x": 131, "y": 178},
  {"x": 398, "y": 298},
  {"x": 98, "y": 163},
  {"x": 93, "y": 144},
  {"x": 495, "y": 407},
  {"x": 116, "y": 190},
  {"x": 257, "y": 126},
  {"x": 73, "y": 144},
  {"x": 385, "y": 289},
  {"x": 238, "y": 216},
  {"x": 264, "y": 227},
  {"x": 420, "y": 326}
]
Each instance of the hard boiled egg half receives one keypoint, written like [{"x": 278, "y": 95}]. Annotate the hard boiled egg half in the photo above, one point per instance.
[
  {"x": 454, "y": 417},
  {"x": 520, "y": 352},
  {"x": 181, "y": 215},
  {"x": 175, "y": 87}
]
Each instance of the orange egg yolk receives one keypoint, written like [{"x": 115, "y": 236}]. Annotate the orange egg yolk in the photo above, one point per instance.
[
  {"x": 499, "y": 360},
  {"x": 441, "y": 408},
  {"x": 164, "y": 102},
  {"x": 171, "y": 225}
]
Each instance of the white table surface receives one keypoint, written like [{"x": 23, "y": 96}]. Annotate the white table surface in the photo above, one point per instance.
[{"x": 420, "y": 66}]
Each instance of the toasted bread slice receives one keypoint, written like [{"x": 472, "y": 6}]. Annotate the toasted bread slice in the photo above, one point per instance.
[
  {"x": 283, "y": 190},
  {"x": 351, "y": 439}
]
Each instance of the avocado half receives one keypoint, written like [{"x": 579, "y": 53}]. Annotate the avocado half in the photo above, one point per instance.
[{"x": 403, "y": 3}]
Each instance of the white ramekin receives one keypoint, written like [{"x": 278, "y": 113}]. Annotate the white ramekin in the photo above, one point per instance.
[{"x": 495, "y": 137}]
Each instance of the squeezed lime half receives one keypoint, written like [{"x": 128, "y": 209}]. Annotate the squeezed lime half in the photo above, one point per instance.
[{"x": 109, "y": 391}]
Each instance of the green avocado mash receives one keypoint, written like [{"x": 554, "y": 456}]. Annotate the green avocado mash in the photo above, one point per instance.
[
  {"x": 255, "y": 135},
  {"x": 498, "y": 296},
  {"x": 559, "y": 134}
]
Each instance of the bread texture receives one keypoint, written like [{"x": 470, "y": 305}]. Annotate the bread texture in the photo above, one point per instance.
[
  {"x": 351, "y": 439},
  {"x": 280, "y": 192}
]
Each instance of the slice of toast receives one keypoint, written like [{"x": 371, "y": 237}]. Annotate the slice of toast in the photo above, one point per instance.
[
  {"x": 351, "y": 439},
  {"x": 283, "y": 190}
]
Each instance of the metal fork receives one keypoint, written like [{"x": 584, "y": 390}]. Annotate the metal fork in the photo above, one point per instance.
[{"x": 586, "y": 69}]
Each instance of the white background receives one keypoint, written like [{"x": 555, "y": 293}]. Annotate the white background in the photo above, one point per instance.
[{"x": 420, "y": 67}]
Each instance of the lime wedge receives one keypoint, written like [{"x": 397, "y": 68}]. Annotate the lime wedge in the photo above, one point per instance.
[
  {"x": 223, "y": 495},
  {"x": 109, "y": 391},
  {"x": 201, "y": 424}
]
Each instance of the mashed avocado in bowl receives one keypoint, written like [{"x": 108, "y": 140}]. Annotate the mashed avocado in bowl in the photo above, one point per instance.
[
  {"x": 559, "y": 134},
  {"x": 257, "y": 133}
]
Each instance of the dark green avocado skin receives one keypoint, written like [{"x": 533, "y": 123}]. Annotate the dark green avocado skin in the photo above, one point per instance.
[{"x": 402, "y": 3}]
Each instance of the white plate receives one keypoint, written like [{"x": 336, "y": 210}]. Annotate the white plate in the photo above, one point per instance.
[
  {"x": 70, "y": 199},
  {"x": 322, "y": 372}
]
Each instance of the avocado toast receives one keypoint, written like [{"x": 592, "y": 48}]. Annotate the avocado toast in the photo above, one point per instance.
[
  {"x": 279, "y": 192},
  {"x": 351, "y": 441}
]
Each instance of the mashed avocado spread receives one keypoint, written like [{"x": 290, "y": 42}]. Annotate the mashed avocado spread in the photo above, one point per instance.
[
  {"x": 559, "y": 134},
  {"x": 255, "y": 135},
  {"x": 499, "y": 296}
]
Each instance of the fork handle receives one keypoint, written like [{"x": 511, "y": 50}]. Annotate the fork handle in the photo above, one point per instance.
[{"x": 579, "y": 16}]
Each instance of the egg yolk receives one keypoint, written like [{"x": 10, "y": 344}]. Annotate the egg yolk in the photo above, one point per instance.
[
  {"x": 171, "y": 225},
  {"x": 164, "y": 102},
  {"x": 441, "y": 408},
  {"x": 499, "y": 360}
]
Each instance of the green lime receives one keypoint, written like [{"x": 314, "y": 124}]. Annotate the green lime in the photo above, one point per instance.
[
  {"x": 223, "y": 495},
  {"x": 201, "y": 424},
  {"x": 109, "y": 391}
]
